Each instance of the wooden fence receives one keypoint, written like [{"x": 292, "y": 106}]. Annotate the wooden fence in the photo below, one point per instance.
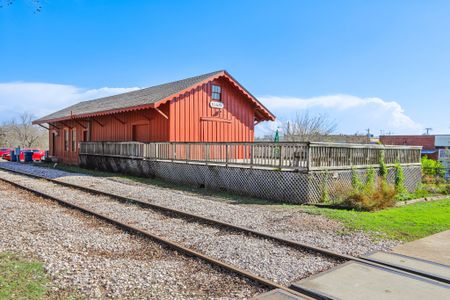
[{"x": 290, "y": 156}]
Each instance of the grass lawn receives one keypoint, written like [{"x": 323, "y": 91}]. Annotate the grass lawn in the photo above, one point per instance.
[
  {"x": 21, "y": 279},
  {"x": 404, "y": 223}
]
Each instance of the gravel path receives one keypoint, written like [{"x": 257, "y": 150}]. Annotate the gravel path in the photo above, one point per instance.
[
  {"x": 291, "y": 223},
  {"x": 263, "y": 257},
  {"x": 91, "y": 259}
]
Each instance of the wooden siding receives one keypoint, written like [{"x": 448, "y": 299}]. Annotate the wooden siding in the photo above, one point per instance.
[
  {"x": 110, "y": 128},
  {"x": 187, "y": 118},
  {"x": 119, "y": 127},
  {"x": 193, "y": 120}
]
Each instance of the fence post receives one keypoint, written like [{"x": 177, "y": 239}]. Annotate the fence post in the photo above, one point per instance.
[
  {"x": 280, "y": 163},
  {"x": 174, "y": 149},
  {"x": 251, "y": 155},
  {"x": 308, "y": 156},
  {"x": 227, "y": 154},
  {"x": 207, "y": 152},
  {"x": 188, "y": 151}
]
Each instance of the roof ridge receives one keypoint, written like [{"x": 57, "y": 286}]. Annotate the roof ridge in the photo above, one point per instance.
[
  {"x": 139, "y": 97},
  {"x": 154, "y": 86}
]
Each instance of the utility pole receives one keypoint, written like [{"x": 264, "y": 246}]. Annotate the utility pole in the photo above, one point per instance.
[{"x": 428, "y": 129}]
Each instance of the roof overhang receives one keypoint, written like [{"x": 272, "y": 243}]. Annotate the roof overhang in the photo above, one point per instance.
[
  {"x": 261, "y": 114},
  {"x": 262, "y": 111},
  {"x": 95, "y": 114}
]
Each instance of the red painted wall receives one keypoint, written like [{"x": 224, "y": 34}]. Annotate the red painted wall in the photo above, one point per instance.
[
  {"x": 193, "y": 120},
  {"x": 190, "y": 119}
]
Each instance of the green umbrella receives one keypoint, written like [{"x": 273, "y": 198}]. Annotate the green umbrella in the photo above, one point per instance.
[{"x": 276, "y": 139}]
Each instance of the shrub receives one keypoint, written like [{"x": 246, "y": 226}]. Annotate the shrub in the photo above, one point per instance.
[
  {"x": 432, "y": 170},
  {"x": 356, "y": 182},
  {"x": 383, "y": 167},
  {"x": 370, "y": 180},
  {"x": 399, "y": 180},
  {"x": 381, "y": 197},
  {"x": 446, "y": 189},
  {"x": 325, "y": 197}
]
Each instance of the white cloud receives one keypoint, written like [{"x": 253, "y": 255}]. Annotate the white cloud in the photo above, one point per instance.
[
  {"x": 353, "y": 114},
  {"x": 43, "y": 98}
]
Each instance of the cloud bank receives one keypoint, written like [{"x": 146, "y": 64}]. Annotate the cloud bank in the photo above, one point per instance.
[
  {"x": 43, "y": 98},
  {"x": 352, "y": 114}
]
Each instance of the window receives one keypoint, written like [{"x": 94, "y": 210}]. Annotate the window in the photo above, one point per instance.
[
  {"x": 66, "y": 140},
  {"x": 216, "y": 93},
  {"x": 74, "y": 139}
]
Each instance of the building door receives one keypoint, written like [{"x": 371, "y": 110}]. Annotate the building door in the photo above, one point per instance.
[
  {"x": 141, "y": 133},
  {"x": 85, "y": 139},
  {"x": 53, "y": 144}
]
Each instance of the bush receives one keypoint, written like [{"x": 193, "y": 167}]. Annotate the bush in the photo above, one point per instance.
[
  {"x": 446, "y": 189},
  {"x": 356, "y": 182},
  {"x": 370, "y": 180},
  {"x": 325, "y": 197},
  {"x": 399, "y": 180},
  {"x": 383, "y": 167},
  {"x": 378, "y": 198},
  {"x": 432, "y": 170}
]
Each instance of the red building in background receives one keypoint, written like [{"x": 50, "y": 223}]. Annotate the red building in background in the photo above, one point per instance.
[
  {"x": 430, "y": 143},
  {"x": 212, "y": 107}
]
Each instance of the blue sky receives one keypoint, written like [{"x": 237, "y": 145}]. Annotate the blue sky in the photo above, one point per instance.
[{"x": 383, "y": 65}]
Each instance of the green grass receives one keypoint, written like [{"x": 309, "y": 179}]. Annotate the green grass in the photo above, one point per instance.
[
  {"x": 21, "y": 279},
  {"x": 404, "y": 223}
]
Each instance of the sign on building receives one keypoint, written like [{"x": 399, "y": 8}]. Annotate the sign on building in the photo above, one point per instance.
[{"x": 216, "y": 104}]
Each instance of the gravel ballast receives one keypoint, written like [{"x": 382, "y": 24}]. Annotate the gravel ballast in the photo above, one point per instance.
[
  {"x": 290, "y": 223},
  {"x": 91, "y": 259},
  {"x": 265, "y": 258}
]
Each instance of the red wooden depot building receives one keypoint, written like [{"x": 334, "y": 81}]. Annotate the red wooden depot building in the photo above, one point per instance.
[{"x": 212, "y": 107}]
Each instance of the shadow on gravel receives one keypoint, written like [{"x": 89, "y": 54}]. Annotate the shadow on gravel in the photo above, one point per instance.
[
  {"x": 67, "y": 170},
  {"x": 39, "y": 169}
]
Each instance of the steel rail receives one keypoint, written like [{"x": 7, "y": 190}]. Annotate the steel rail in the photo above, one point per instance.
[
  {"x": 238, "y": 228},
  {"x": 173, "y": 245}
]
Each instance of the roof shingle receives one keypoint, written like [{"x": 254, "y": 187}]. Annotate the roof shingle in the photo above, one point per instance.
[{"x": 140, "y": 97}]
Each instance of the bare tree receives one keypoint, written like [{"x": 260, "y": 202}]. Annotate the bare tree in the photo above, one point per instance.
[
  {"x": 3, "y": 140},
  {"x": 22, "y": 133},
  {"x": 308, "y": 128}
]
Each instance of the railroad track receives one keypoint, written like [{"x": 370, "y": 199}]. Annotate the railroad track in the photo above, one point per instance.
[{"x": 200, "y": 219}]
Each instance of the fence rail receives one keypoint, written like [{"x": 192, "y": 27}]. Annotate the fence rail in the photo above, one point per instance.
[{"x": 291, "y": 155}]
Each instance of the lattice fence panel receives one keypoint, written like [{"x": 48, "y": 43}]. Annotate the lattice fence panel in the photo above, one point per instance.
[{"x": 284, "y": 186}]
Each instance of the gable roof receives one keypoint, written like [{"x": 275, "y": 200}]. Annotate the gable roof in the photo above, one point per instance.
[{"x": 150, "y": 97}]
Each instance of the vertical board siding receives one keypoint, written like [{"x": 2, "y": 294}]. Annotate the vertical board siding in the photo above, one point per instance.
[
  {"x": 233, "y": 123},
  {"x": 113, "y": 130},
  {"x": 191, "y": 119}
]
